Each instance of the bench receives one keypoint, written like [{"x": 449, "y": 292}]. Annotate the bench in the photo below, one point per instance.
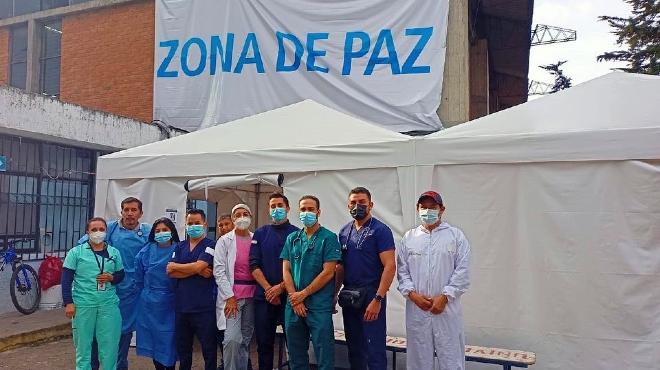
[{"x": 498, "y": 356}]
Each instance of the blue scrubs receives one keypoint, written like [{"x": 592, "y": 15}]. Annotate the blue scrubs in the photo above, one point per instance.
[
  {"x": 129, "y": 243},
  {"x": 195, "y": 306},
  {"x": 155, "y": 321},
  {"x": 267, "y": 244},
  {"x": 363, "y": 269}
]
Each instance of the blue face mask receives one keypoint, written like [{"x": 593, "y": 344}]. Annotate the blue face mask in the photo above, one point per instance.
[
  {"x": 278, "y": 214},
  {"x": 308, "y": 218},
  {"x": 195, "y": 231},
  {"x": 163, "y": 237},
  {"x": 429, "y": 216}
]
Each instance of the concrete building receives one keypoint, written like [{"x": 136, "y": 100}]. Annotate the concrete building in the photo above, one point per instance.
[{"x": 81, "y": 77}]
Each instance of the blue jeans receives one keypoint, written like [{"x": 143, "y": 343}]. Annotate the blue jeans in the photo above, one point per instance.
[{"x": 122, "y": 354}]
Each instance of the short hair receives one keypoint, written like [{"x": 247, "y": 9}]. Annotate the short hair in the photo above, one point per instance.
[
  {"x": 360, "y": 190},
  {"x": 196, "y": 212},
  {"x": 224, "y": 216},
  {"x": 132, "y": 200},
  {"x": 169, "y": 224},
  {"x": 94, "y": 219},
  {"x": 318, "y": 202},
  {"x": 276, "y": 195}
]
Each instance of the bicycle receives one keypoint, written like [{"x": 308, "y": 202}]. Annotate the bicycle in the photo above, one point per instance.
[{"x": 24, "y": 283}]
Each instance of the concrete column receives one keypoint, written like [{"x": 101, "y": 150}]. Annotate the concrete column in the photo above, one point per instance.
[
  {"x": 33, "y": 54},
  {"x": 455, "y": 104},
  {"x": 479, "y": 80}
]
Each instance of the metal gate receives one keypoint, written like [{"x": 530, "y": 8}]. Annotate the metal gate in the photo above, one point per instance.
[{"x": 46, "y": 195}]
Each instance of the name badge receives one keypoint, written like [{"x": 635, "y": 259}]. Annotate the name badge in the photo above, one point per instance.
[{"x": 100, "y": 286}]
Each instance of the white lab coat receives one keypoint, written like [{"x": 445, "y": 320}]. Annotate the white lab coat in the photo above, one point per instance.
[
  {"x": 434, "y": 263},
  {"x": 224, "y": 260}
]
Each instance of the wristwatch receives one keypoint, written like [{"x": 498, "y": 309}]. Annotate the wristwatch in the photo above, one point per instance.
[{"x": 379, "y": 298}]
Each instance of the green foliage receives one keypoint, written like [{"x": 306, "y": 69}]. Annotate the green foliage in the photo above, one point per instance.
[
  {"x": 561, "y": 81},
  {"x": 640, "y": 35}
]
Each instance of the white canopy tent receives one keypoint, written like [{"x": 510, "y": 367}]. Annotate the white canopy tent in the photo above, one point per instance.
[
  {"x": 305, "y": 148},
  {"x": 560, "y": 198}
]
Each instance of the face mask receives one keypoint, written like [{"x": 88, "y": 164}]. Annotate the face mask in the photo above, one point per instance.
[
  {"x": 359, "y": 212},
  {"x": 163, "y": 237},
  {"x": 243, "y": 223},
  {"x": 195, "y": 231},
  {"x": 278, "y": 214},
  {"x": 429, "y": 216},
  {"x": 97, "y": 237},
  {"x": 308, "y": 218}
]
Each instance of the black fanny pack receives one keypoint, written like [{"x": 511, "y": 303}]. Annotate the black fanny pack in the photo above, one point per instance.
[{"x": 355, "y": 298}]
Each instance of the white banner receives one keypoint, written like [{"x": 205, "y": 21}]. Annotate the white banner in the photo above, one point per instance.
[{"x": 379, "y": 60}]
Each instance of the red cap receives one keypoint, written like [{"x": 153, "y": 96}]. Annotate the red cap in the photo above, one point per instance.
[{"x": 430, "y": 194}]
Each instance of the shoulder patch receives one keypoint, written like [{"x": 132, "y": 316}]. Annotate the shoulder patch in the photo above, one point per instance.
[{"x": 209, "y": 250}]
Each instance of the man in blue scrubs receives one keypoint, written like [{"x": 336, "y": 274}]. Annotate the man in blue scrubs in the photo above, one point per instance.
[
  {"x": 266, "y": 267},
  {"x": 368, "y": 267},
  {"x": 128, "y": 236},
  {"x": 195, "y": 291}
]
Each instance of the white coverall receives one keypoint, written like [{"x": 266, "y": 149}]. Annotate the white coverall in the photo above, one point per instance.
[{"x": 431, "y": 264}]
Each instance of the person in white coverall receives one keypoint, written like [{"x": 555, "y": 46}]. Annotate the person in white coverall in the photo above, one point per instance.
[{"x": 433, "y": 272}]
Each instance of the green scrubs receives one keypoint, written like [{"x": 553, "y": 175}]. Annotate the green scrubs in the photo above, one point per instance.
[
  {"x": 97, "y": 311},
  {"x": 306, "y": 257}
]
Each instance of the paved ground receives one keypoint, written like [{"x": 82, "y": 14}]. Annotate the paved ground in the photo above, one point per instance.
[{"x": 61, "y": 355}]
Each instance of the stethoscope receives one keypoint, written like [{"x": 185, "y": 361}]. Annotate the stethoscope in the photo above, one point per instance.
[
  {"x": 362, "y": 236},
  {"x": 298, "y": 239}
]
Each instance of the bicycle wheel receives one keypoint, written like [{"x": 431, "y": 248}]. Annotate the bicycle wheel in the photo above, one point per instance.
[{"x": 25, "y": 290}]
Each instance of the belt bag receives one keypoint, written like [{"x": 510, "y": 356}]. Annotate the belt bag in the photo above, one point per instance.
[{"x": 355, "y": 298}]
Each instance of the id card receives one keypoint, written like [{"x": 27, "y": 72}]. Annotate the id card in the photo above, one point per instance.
[{"x": 100, "y": 286}]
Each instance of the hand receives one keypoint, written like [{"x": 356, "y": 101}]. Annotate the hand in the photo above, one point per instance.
[
  {"x": 300, "y": 309},
  {"x": 372, "y": 311},
  {"x": 105, "y": 277},
  {"x": 207, "y": 273},
  {"x": 439, "y": 304},
  {"x": 231, "y": 307},
  {"x": 170, "y": 267},
  {"x": 276, "y": 301},
  {"x": 297, "y": 297},
  {"x": 274, "y": 291},
  {"x": 70, "y": 310},
  {"x": 422, "y": 301}
]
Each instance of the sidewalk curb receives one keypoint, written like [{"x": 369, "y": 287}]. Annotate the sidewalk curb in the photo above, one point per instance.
[{"x": 35, "y": 337}]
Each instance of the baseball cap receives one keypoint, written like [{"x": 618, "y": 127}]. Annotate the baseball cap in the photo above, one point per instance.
[
  {"x": 430, "y": 194},
  {"x": 241, "y": 205}
]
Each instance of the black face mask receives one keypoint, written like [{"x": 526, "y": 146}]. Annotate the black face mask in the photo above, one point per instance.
[{"x": 359, "y": 212}]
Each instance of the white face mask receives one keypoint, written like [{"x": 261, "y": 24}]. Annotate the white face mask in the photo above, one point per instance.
[
  {"x": 429, "y": 216},
  {"x": 97, "y": 237},
  {"x": 243, "y": 223}
]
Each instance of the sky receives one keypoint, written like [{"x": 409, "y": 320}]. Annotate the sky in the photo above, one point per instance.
[{"x": 593, "y": 37}]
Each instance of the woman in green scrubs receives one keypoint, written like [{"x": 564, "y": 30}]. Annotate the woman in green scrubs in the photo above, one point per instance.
[{"x": 91, "y": 271}]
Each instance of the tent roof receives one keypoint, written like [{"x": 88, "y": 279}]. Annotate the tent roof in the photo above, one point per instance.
[
  {"x": 300, "y": 137},
  {"x": 616, "y": 116}
]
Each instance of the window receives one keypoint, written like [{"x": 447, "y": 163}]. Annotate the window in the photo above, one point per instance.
[
  {"x": 13, "y": 8},
  {"x": 26, "y": 6},
  {"x": 50, "y": 4},
  {"x": 18, "y": 61},
  {"x": 6, "y": 7},
  {"x": 49, "y": 61}
]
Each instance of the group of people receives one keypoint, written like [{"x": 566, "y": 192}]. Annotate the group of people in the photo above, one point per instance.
[{"x": 124, "y": 276}]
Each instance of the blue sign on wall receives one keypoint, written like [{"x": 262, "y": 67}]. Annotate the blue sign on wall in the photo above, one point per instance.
[{"x": 3, "y": 163}]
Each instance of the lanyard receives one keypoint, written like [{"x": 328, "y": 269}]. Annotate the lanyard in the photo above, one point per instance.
[{"x": 101, "y": 264}]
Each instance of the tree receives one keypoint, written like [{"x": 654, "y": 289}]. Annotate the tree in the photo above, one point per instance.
[
  {"x": 640, "y": 33},
  {"x": 561, "y": 81}
]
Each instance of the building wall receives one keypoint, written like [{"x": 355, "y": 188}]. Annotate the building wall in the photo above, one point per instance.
[
  {"x": 4, "y": 56},
  {"x": 108, "y": 59}
]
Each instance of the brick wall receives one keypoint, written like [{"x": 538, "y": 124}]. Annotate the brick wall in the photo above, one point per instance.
[
  {"x": 4, "y": 56},
  {"x": 108, "y": 58}
]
